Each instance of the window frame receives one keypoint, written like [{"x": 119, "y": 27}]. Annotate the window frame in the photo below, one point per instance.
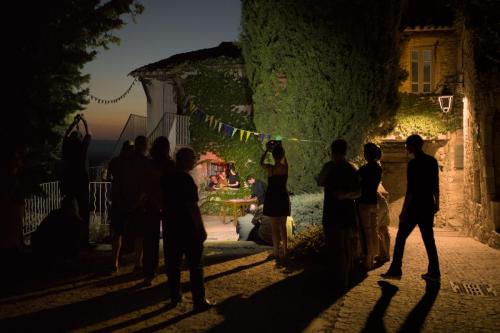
[{"x": 420, "y": 62}]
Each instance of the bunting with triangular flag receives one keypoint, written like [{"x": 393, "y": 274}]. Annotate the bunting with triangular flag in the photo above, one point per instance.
[{"x": 229, "y": 130}]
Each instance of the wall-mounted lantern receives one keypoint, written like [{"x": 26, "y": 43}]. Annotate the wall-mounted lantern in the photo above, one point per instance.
[{"x": 445, "y": 102}]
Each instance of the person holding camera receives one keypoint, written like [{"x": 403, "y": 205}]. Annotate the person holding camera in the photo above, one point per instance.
[
  {"x": 75, "y": 178},
  {"x": 277, "y": 201}
]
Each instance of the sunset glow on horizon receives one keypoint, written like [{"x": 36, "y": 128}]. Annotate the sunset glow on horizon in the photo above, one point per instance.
[{"x": 165, "y": 28}]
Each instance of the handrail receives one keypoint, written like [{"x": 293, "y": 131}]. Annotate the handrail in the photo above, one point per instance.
[{"x": 130, "y": 121}]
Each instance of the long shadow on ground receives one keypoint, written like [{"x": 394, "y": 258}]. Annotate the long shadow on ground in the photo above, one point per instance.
[
  {"x": 418, "y": 314},
  {"x": 375, "y": 321},
  {"x": 286, "y": 306},
  {"x": 102, "y": 308},
  {"x": 25, "y": 286}
]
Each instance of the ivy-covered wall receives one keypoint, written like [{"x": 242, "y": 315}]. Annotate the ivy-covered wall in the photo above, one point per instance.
[
  {"x": 422, "y": 115},
  {"x": 320, "y": 70},
  {"x": 217, "y": 87}
]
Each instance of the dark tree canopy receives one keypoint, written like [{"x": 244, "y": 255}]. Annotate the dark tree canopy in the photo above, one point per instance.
[
  {"x": 49, "y": 43},
  {"x": 321, "y": 69}
]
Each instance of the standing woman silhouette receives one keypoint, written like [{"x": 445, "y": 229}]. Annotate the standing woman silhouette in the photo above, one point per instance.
[{"x": 277, "y": 201}]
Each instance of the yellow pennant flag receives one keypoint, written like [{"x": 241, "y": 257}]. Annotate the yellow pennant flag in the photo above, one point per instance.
[
  {"x": 211, "y": 118},
  {"x": 192, "y": 107},
  {"x": 241, "y": 134},
  {"x": 216, "y": 123},
  {"x": 248, "y": 135}
]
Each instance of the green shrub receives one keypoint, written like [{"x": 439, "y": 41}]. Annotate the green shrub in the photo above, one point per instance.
[
  {"x": 307, "y": 210},
  {"x": 309, "y": 245},
  {"x": 422, "y": 115}
]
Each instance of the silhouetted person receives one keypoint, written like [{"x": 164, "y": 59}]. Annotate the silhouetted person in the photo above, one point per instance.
[
  {"x": 213, "y": 184},
  {"x": 11, "y": 203},
  {"x": 341, "y": 183},
  {"x": 420, "y": 205},
  {"x": 58, "y": 237},
  {"x": 141, "y": 163},
  {"x": 258, "y": 188},
  {"x": 184, "y": 232},
  {"x": 277, "y": 201},
  {"x": 160, "y": 168},
  {"x": 233, "y": 179},
  {"x": 222, "y": 179},
  {"x": 75, "y": 178},
  {"x": 119, "y": 172},
  {"x": 370, "y": 175}
]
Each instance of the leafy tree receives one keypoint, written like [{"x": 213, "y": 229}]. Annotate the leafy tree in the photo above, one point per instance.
[
  {"x": 49, "y": 44},
  {"x": 321, "y": 69}
]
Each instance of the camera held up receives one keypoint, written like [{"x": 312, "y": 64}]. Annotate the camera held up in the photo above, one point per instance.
[{"x": 271, "y": 144}]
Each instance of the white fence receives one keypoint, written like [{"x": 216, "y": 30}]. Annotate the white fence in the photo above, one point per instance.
[
  {"x": 38, "y": 207},
  {"x": 100, "y": 202}
]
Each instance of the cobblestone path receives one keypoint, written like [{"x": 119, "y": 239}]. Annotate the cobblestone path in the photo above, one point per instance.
[{"x": 254, "y": 295}]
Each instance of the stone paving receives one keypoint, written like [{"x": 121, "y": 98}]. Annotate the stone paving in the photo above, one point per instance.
[
  {"x": 432, "y": 309},
  {"x": 254, "y": 295}
]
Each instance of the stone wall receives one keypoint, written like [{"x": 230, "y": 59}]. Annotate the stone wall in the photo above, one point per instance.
[
  {"x": 481, "y": 143},
  {"x": 449, "y": 153}
]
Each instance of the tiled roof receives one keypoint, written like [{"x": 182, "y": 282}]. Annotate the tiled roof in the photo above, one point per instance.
[{"x": 224, "y": 49}]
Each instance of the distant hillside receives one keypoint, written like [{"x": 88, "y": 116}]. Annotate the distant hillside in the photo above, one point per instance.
[{"x": 100, "y": 151}]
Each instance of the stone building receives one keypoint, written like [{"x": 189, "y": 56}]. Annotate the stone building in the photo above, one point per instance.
[
  {"x": 440, "y": 61},
  {"x": 481, "y": 119},
  {"x": 429, "y": 55}
]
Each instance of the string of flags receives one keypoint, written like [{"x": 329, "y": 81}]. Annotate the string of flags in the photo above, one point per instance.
[
  {"x": 115, "y": 100},
  {"x": 231, "y": 131}
]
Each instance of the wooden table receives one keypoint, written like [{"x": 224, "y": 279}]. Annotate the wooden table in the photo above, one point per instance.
[{"x": 236, "y": 205}]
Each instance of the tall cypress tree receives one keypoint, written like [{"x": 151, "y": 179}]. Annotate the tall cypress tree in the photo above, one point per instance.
[{"x": 321, "y": 69}]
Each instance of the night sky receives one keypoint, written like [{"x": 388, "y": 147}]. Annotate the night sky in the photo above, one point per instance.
[{"x": 166, "y": 27}]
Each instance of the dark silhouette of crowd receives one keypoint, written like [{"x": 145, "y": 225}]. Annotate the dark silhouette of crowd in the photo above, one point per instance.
[
  {"x": 155, "y": 197},
  {"x": 151, "y": 192}
]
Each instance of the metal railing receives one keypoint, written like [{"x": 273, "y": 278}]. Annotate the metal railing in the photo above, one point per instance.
[
  {"x": 135, "y": 126},
  {"x": 37, "y": 208},
  {"x": 100, "y": 202},
  {"x": 173, "y": 126},
  {"x": 183, "y": 135}
]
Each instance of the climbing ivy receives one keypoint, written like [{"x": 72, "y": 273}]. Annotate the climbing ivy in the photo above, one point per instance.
[
  {"x": 320, "y": 70},
  {"x": 218, "y": 87},
  {"x": 422, "y": 115}
]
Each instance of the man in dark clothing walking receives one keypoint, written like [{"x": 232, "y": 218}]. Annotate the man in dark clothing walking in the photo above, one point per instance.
[
  {"x": 420, "y": 205},
  {"x": 75, "y": 178},
  {"x": 184, "y": 232}
]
